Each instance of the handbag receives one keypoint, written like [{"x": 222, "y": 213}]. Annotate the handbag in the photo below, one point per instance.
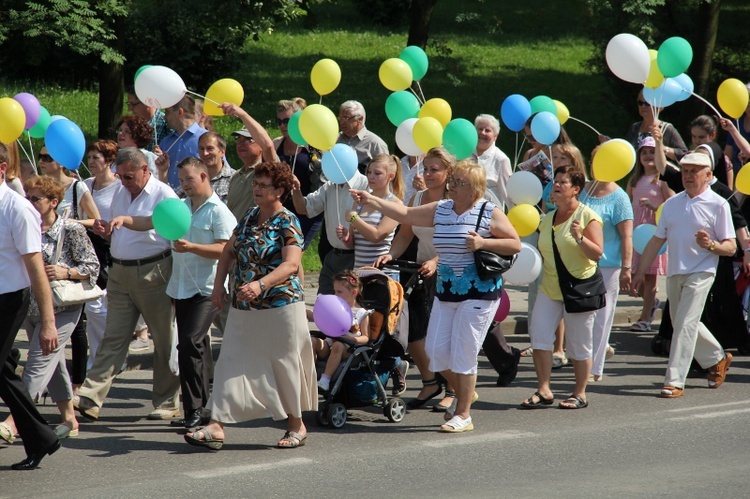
[
  {"x": 490, "y": 265},
  {"x": 68, "y": 292},
  {"x": 579, "y": 295}
]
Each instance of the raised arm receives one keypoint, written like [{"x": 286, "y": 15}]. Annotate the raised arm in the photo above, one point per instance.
[
  {"x": 421, "y": 216},
  {"x": 256, "y": 130}
]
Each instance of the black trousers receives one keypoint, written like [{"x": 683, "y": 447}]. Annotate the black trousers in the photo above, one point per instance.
[
  {"x": 34, "y": 430},
  {"x": 194, "y": 316}
]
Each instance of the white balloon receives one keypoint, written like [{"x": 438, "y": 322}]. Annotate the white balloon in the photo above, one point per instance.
[
  {"x": 628, "y": 58},
  {"x": 524, "y": 188},
  {"x": 159, "y": 87},
  {"x": 404, "y": 139},
  {"x": 527, "y": 268}
]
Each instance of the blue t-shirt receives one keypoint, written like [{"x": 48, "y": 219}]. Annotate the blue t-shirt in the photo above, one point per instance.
[{"x": 613, "y": 208}]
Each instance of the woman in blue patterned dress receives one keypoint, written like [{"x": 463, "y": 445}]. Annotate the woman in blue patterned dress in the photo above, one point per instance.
[
  {"x": 266, "y": 366},
  {"x": 464, "y": 304}
]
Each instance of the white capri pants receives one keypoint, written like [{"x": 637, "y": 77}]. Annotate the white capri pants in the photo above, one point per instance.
[
  {"x": 456, "y": 332},
  {"x": 604, "y": 317},
  {"x": 578, "y": 328}
]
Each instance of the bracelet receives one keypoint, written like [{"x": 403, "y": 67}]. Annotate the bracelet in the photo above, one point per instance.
[
  {"x": 626, "y": 267},
  {"x": 353, "y": 218},
  {"x": 69, "y": 274}
]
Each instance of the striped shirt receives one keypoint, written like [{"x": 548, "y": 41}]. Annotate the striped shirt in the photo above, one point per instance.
[{"x": 366, "y": 252}]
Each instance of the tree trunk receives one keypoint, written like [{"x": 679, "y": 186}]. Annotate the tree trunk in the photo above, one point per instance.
[
  {"x": 112, "y": 86},
  {"x": 703, "y": 52},
  {"x": 420, "y": 16}
]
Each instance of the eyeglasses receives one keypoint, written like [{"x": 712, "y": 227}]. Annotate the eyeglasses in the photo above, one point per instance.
[
  {"x": 562, "y": 182},
  {"x": 348, "y": 118},
  {"x": 642, "y": 103},
  {"x": 241, "y": 139},
  {"x": 284, "y": 122},
  {"x": 123, "y": 131},
  {"x": 131, "y": 105},
  {"x": 131, "y": 176},
  {"x": 456, "y": 182},
  {"x": 46, "y": 158},
  {"x": 35, "y": 199},
  {"x": 261, "y": 185}
]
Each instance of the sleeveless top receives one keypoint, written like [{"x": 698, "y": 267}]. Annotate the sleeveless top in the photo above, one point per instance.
[
  {"x": 426, "y": 248},
  {"x": 365, "y": 252}
]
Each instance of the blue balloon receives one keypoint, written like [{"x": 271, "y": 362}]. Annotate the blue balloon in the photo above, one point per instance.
[
  {"x": 686, "y": 83},
  {"x": 515, "y": 111},
  {"x": 664, "y": 95},
  {"x": 340, "y": 163},
  {"x": 545, "y": 127},
  {"x": 65, "y": 142},
  {"x": 642, "y": 235}
]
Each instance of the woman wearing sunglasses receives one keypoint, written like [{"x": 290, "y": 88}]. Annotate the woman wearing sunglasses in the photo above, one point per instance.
[{"x": 675, "y": 147}]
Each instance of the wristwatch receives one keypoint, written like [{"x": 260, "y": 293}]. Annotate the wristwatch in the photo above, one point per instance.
[
  {"x": 580, "y": 241},
  {"x": 69, "y": 274},
  {"x": 713, "y": 246},
  {"x": 262, "y": 286}
]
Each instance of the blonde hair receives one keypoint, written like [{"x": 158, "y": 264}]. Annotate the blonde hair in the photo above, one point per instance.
[
  {"x": 393, "y": 165},
  {"x": 14, "y": 162},
  {"x": 476, "y": 175},
  {"x": 294, "y": 104}
]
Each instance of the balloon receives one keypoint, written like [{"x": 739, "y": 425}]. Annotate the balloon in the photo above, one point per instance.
[
  {"x": 527, "y": 267},
  {"x": 733, "y": 97},
  {"x": 31, "y": 107},
  {"x": 65, "y": 142},
  {"x": 416, "y": 58},
  {"x": 12, "y": 120},
  {"x": 340, "y": 163},
  {"x": 171, "y": 218},
  {"x": 395, "y": 74},
  {"x": 319, "y": 126},
  {"x": 504, "y": 309},
  {"x": 686, "y": 84},
  {"x": 614, "y": 160},
  {"x": 400, "y": 106},
  {"x": 325, "y": 76},
  {"x": 542, "y": 103},
  {"x": 428, "y": 133},
  {"x": 460, "y": 138},
  {"x": 742, "y": 182},
  {"x": 627, "y": 57},
  {"x": 642, "y": 235},
  {"x": 159, "y": 87},
  {"x": 56, "y": 117},
  {"x": 655, "y": 78},
  {"x": 664, "y": 95},
  {"x": 515, "y": 111},
  {"x": 658, "y": 213},
  {"x": 545, "y": 127},
  {"x": 562, "y": 111},
  {"x": 524, "y": 218},
  {"x": 332, "y": 315},
  {"x": 224, "y": 90},
  {"x": 524, "y": 188},
  {"x": 140, "y": 70},
  {"x": 293, "y": 129},
  {"x": 437, "y": 108},
  {"x": 40, "y": 128},
  {"x": 405, "y": 138},
  {"x": 674, "y": 57}
]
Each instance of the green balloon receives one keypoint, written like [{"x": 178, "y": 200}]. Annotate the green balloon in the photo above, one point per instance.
[
  {"x": 543, "y": 103},
  {"x": 400, "y": 106},
  {"x": 171, "y": 219},
  {"x": 460, "y": 138},
  {"x": 40, "y": 128},
  {"x": 140, "y": 70},
  {"x": 293, "y": 129},
  {"x": 674, "y": 56},
  {"x": 416, "y": 58}
]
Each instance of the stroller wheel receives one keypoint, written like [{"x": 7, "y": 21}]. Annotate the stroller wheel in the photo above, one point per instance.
[
  {"x": 336, "y": 415},
  {"x": 395, "y": 410},
  {"x": 320, "y": 417}
]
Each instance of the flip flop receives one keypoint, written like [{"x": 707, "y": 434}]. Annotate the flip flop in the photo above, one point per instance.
[
  {"x": 574, "y": 402},
  {"x": 641, "y": 327},
  {"x": 530, "y": 404},
  {"x": 457, "y": 424},
  {"x": 207, "y": 441},
  {"x": 527, "y": 352},
  {"x": 294, "y": 440},
  {"x": 6, "y": 433}
]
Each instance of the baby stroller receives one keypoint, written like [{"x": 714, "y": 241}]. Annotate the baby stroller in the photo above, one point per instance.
[{"x": 359, "y": 380}]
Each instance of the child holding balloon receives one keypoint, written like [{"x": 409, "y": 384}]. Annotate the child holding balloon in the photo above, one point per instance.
[
  {"x": 647, "y": 193},
  {"x": 347, "y": 286}
]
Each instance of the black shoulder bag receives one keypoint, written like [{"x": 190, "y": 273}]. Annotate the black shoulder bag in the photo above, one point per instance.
[
  {"x": 490, "y": 265},
  {"x": 579, "y": 295}
]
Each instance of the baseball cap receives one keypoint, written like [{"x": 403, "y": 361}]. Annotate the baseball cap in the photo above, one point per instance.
[
  {"x": 647, "y": 141},
  {"x": 697, "y": 159},
  {"x": 243, "y": 132}
]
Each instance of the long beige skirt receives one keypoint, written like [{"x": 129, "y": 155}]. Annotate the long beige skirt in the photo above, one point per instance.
[{"x": 266, "y": 366}]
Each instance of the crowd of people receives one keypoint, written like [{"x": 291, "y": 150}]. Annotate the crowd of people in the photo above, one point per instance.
[{"x": 239, "y": 266}]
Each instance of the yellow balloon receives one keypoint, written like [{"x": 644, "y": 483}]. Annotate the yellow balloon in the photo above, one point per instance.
[
  {"x": 733, "y": 97},
  {"x": 614, "y": 160},
  {"x": 12, "y": 120},
  {"x": 224, "y": 90},
  {"x": 438, "y": 109},
  {"x": 395, "y": 74},
  {"x": 325, "y": 76},
  {"x": 742, "y": 182},
  {"x": 524, "y": 218},
  {"x": 427, "y": 133},
  {"x": 655, "y": 78},
  {"x": 562, "y": 111},
  {"x": 319, "y": 126},
  {"x": 658, "y": 213}
]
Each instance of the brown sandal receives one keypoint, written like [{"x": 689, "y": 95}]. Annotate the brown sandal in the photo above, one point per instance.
[{"x": 672, "y": 392}]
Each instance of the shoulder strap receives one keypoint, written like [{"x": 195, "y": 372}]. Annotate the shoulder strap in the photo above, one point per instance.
[
  {"x": 75, "y": 199},
  {"x": 479, "y": 217},
  {"x": 60, "y": 237}
]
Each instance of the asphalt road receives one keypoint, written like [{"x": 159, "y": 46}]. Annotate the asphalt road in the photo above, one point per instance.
[{"x": 627, "y": 443}]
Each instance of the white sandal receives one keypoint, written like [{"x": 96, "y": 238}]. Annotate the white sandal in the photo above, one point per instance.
[
  {"x": 457, "y": 424},
  {"x": 641, "y": 327}
]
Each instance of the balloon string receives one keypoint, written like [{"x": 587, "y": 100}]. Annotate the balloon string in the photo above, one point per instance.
[
  {"x": 321, "y": 100},
  {"x": 341, "y": 170},
  {"x": 86, "y": 169},
  {"x": 584, "y": 123},
  {"x": 419, "y": 86},
  {"x": 176, "y": 141},
  {"x": 421, "y": 101},
  {"x": 203, "y": 97},
  {"x": 338, "y": 206},
  {"x": 294, "y": 161},
  {"x": 519, "y": 149},
  {"x": 26, "y": 153},
  {"x": 709, "y": 105}
]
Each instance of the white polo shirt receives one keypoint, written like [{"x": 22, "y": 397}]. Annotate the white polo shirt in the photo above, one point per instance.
[
  {"x": 683, "y": 216},
  {"x": 20, "y": 234},
  {"x": 131, "y": 244}
]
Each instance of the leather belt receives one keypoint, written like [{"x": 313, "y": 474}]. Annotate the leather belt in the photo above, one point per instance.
[{"x": 142, "y": 261}]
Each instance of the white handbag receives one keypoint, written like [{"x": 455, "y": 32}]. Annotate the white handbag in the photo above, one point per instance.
[{"x": 67, "y": 292}]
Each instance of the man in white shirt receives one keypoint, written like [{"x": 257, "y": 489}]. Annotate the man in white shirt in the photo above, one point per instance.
[
  {"x": 697, "y": 226},
  {"x": 21, "y": 266},
  {"x": 142, "y": 266}
]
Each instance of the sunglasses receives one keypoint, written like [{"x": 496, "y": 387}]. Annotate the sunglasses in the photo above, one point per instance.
[
  {"x": 35, "y": 199},
  {"x": 642, "y": 103},
  {"x": 457, "y": 183},
  {"x": 46, "y": 158},
  {"x": 284, "y": 122}
]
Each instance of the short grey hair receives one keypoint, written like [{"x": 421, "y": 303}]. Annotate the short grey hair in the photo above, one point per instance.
[
  {"x": 488, "y": 118},
  {"x": 132, "y": 156},
  {"x": 355, "y": 108}
]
